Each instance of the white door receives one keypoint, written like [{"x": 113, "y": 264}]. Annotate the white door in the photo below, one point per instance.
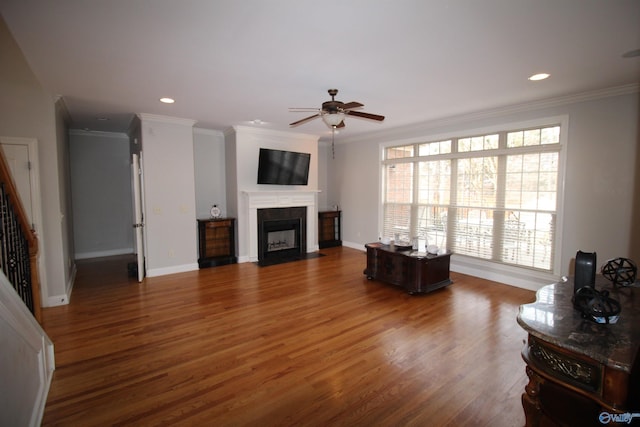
[
  {"x": 17, "y": 156},
  {"x": 138, "y": 217}
]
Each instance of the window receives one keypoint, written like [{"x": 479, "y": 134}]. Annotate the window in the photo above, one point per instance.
[{"x": 492, "y": 196}]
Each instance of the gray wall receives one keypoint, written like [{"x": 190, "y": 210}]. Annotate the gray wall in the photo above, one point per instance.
[
  {"x": 209, "y": 165},
  {"x": 101, "y": 194},
  {"x": 600, "y": 185}
]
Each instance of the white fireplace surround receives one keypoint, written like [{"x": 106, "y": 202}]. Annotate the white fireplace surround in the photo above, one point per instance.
[{"x": 255, "y": 200}]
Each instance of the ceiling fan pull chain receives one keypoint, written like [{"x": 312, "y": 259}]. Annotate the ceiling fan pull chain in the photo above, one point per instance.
[{"x": 333, "y": 135}]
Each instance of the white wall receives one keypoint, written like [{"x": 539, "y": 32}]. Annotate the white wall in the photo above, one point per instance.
[
  {"x": 101, "y": 191},
  {"x": 599, "y": 189},
  {"x": 209, "y": 164},
  {"x": 169, "y": 188},
  {"x": 242, "y": 148},
  {"x": 27, "y": 110}
]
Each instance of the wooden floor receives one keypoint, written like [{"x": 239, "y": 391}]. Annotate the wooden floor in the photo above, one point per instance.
[{"x": 308, "y": 343}]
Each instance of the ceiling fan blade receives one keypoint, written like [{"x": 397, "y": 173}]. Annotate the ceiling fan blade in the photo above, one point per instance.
[
  {"x": 365, "y": 115},
  {"x": 304, "y": 120},
  {"x": 352, "y": 104},
  {"x": 341, "y": 125}
]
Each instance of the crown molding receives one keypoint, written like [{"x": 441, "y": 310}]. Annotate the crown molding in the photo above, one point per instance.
[
  {"x": 95, "y": 133},
  {"x": 244, "y": 130},
  {"x": 203, "y": 131},
  {"x": 166, "y": 119},
  {"x": 61, "y": 104},
  {"x": 428, "y": 125}
]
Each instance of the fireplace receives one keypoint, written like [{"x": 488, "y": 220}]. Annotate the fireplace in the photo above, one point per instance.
[
  {"x": 282, "y": 234},
  {"x": 253, "y": 201}
]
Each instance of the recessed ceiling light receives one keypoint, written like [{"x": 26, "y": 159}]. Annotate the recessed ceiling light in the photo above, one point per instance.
[
  {"x": 540, "y": 76},
  {"x": 167, "y": 100},
  {"x": 257, "y": 122}
]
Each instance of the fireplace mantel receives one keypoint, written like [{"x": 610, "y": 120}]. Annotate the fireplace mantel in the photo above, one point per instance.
[
  {"x": 281, "y": 199},
  {"x": 254, "y": 200}
]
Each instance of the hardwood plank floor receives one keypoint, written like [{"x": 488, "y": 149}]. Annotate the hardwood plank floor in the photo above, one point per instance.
[{"x": 306, "y": 343}]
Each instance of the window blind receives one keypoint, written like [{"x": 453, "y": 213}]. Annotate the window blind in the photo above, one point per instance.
[{"x": 490, "y": 196}]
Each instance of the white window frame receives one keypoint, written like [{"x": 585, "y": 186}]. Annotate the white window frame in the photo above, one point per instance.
[{"x": 516, "y": 275}]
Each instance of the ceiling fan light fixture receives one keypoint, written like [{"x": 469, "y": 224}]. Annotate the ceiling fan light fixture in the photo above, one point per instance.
[{"x": 333, "y": 119}]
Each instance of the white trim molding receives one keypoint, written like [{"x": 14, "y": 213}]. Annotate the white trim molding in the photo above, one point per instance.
[
  {"x": 154, "y": 272},
  {"x": 280, "y": 199},
  {"x": 26, "y": 361}
]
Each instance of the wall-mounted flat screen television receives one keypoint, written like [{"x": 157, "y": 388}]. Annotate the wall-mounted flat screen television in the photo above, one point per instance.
[{"x": 283, "y": 167}]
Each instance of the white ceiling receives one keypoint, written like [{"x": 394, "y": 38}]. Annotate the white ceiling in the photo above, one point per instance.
[{"x": 227, "y": 62}]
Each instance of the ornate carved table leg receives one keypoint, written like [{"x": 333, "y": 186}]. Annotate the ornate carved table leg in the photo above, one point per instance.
[{"x": 531, "y": 399}]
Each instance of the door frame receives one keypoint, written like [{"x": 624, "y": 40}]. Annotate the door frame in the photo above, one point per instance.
[
  {"x": 36, "y": 203},
  {"x": 32, "y": 147},
  {"x": 139, "y": 238}
]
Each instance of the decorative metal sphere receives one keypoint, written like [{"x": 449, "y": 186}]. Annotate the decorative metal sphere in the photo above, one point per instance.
[{"x": 621, "y": 271}]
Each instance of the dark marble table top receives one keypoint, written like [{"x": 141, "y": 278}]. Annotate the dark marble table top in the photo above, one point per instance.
[{"x": 553, "y": 318}]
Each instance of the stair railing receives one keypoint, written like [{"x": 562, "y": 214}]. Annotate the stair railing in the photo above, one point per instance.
[{"x": 18, "y": 243}]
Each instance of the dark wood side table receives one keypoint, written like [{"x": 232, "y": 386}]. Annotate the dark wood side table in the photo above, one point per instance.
[
  {"x": 217, "y": 242},
  {"x": 329, "y": 229},
  {"x": 416, "y": 272},
  {"x": 581, "y": 372}
]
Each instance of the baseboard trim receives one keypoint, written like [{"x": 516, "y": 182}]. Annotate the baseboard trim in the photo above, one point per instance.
[
  {"x": 155, "y": 272},
  {"x": 100, "y": 254},
  {"x": 56, "y": 300},
  {"x": 352, "y": 245},
  {"x": 509, "y": 275}
]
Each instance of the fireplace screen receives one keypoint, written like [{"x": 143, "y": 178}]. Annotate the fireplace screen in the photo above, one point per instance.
[{"x": 281, "y": 240}]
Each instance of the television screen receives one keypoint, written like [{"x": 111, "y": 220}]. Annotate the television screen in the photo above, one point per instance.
[{"x": 283, "y": 167}]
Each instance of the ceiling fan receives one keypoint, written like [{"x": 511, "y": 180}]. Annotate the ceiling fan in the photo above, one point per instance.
[{"x": 333, "y": 112}]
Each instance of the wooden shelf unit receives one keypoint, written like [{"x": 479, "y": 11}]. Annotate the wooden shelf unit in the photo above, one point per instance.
[
  {"x": 217, "y": 242},
  {"x": 329, "y": 229}
]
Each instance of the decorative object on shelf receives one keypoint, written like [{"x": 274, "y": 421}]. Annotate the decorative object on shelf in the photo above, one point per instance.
[
  {"x": 620, "y": 271},
  {"x": 215, "y": 211},
  {"x": 596, "y": 306},
  {"x": 585, "y": 270},
  {"x": 432, "y": 249},
  {"x": 403, "y": 246}
]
